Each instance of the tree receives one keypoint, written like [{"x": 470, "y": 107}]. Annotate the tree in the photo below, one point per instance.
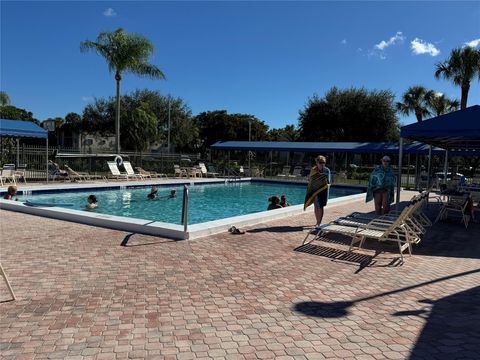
[
  {"x": 124, "y": 52},
  {"x": 288, "y": 133},
  {"x": 217, "y": 125},
  {"x": 461, "y": 68},
  {"x": 416, "y": 100},
  {"x": 13, "y": 113},
  {"x": 440, "y": 104},
  {"x": 350, "y": 115},
  {"x": 4, "y": 98},
  {"x": 143, "y": 130}
]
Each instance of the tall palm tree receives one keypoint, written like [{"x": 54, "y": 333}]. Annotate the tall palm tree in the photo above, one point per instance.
[
  {"x": 462, "y": 67},
  {"x": 4, "y": 98},
  {"x": 123, "y": 52},
  {"x": 440, "y": 104},
  {"x": 414, "y": 100}
]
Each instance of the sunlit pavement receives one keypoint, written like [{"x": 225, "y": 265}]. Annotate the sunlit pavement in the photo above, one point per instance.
[{"x": 82, "y": 295}]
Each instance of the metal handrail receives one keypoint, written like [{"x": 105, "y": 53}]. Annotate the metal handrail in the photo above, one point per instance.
[{"x": 185, "y": 209}]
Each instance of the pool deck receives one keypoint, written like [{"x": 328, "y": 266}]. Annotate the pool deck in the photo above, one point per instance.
[{"x": 85, "y": 292}]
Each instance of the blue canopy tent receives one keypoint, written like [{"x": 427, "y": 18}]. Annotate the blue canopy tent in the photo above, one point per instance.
[
  {"x": 23, "y": 129},
  {"x": 458, "y": 133}
]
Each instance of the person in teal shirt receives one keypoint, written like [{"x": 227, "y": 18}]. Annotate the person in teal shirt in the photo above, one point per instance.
[{"x": 381, "y": 187}]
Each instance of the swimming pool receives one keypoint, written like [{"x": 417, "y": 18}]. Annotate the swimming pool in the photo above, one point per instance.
[
  {"x": 213, "y": 205},
  {"x": 207, "y": 202}
]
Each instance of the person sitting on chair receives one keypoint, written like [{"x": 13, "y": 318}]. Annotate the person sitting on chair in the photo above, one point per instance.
[{"x": 55, "y": 170}]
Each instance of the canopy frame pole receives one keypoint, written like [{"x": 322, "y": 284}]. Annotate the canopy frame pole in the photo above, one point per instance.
[
  {"x": 445, "y": 167},
  {"x": 18, "y": 152},
  {"x": 429, "y": 168},
  {"x": 399, "y": 179},
  {"x": 46, "y": 159}
]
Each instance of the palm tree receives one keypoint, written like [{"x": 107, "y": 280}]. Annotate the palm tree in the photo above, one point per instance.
[
  {"x": 4, "y": 98},
  {"x": 414, "y": 100},
  {"x": 440, "y": 104},
  {"x": 124, "y": 52},
  {"x": 462, "y": 67}
]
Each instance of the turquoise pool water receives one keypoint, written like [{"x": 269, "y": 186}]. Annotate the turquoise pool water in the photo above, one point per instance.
[{"x": 206, "y": 202}]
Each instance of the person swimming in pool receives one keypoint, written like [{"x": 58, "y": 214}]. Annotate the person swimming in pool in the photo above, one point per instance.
[{"x": 173, "y": 194}]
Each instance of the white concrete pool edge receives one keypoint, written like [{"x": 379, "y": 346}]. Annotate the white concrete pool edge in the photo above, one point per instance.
[{"x": 162, "y": 229}]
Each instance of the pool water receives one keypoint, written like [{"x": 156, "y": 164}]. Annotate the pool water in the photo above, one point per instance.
[{"x": 206, "y": 202}]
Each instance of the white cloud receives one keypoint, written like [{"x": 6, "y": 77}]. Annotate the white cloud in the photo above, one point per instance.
[
  {"x": 343, "y": 42},
  {"x": 473, "y": 43},
  {"x": 420, "y": 47},
  {"x": 109, "y": 12},
  {"x": 382, "y": 45},
  {"x": 87, "y": 98}
]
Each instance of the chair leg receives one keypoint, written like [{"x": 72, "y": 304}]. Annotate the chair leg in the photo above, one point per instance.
[{"x": 7, "y": 282}]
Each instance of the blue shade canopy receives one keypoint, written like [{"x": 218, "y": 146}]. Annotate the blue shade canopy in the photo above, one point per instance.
[
  {"x": 456, "y": 130},
  {"x": 325, "y": 147},
  {"x": 21, "y": 129}
]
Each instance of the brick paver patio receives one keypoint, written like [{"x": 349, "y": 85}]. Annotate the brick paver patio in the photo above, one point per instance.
[{"x": 82, "y": 295}]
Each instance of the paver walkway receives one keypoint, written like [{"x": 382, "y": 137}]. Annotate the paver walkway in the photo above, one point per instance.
[{"x": 81, "y": 295}]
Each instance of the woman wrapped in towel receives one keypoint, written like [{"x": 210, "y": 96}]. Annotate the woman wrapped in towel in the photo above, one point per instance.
[
  {"x": 381, "y": 187},
  {"x": 317, "y": 190}
]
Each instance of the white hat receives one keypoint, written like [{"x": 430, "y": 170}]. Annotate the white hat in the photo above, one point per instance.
[{"x": 386, "y": 158}]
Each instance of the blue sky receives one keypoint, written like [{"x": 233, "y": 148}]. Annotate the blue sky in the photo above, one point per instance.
[{"x": 260, "y": 58}]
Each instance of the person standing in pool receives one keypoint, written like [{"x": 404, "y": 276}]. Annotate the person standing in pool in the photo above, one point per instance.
[
  {"x": 173, "y": 194},
  {"x": 153, "y": 193},
  {"x": 11, "y": 192},
  {"x": 317, "y": 190},
  {"x": 92, "y": 202}
]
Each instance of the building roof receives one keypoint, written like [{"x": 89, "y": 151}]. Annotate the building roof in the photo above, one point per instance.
[
  {"x": 456, "y": 130},
  {"x": 21, "y": 129}
]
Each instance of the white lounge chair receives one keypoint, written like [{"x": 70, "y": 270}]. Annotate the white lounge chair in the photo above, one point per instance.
[
  {"x": 7, "y": 175},
  {"x": 129, "y": 169},
  {"x": 114, "y": 172},
  {"x": 285, "y": 171},
  {"x": 179, "y": 172},
  {"x": 149, "y": 174}
]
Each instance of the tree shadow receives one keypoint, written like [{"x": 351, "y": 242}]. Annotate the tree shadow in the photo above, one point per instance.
[
  {"x": 466, "y": 304},
  {"x": 452, "y": 330}
]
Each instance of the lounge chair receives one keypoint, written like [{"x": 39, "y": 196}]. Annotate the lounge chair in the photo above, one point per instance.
[
  {"x": 75, "y": 176},
  {"x": 114, "y": 172},
  {"x": 205, "y": 172},
  {"x": 129, "y": 169},
  {"x": 285, "y": 171},
  {"x": 395, "y": 231},
  {"x": 297, "y": 171},
  {"x": 5, "y": 278},
  {"x": 55, "y": 173},
  {"x": 179, "y": 172},
  {"x": 149, "y": 174},
  {"x": 213, "y": 171}
]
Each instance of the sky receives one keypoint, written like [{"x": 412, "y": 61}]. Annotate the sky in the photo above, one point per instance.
[{"x": 260, "y": 58}]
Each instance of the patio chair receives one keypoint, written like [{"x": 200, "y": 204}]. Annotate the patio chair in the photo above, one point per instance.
[
  {"x": 21, "y": 172},
  {"x": 213, "y": 171},
  {"x": 455, "y": 205},
  {"x": 114, "y": 172},
  {"x": 285, "y": 171},
  {"x": 150, "y": 174},
  {"x": 194, "y": 172},
  {"x": 179, "y": 172},
  {"x": 7, "y": 174},
  {"x": 129, "y": 169}
]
